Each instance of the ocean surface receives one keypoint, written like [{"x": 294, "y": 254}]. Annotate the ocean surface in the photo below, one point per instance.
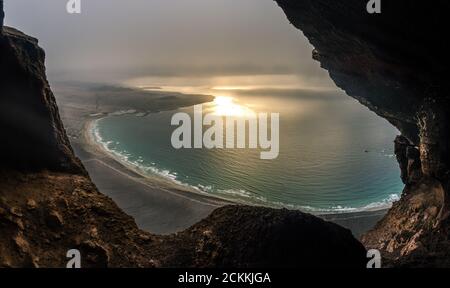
[{"x": 335, "y": 154}]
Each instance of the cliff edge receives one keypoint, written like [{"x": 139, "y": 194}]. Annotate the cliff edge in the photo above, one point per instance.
[{"x": 33, "y": 134}]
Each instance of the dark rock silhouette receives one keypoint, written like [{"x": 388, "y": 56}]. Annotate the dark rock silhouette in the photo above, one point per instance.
[
  {"x": 397, "y": 64},
  {"x": 33, "y": 134},
  {"x": 243, "y": 236},
  {"x": 408, "y": 157}
]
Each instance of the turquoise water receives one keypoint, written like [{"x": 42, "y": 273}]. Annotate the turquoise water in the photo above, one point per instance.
[{"x": 335, "y": 155}]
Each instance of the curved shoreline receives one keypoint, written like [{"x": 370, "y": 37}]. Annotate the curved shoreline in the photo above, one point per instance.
[
  {"x": 91, "y": 139},
  {"x": 160, "y": 180}
]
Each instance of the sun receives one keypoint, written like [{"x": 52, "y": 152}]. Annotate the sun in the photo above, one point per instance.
[{"x": 225, "y": 106}]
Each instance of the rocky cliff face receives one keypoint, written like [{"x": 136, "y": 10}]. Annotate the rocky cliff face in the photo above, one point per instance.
[
  {"x": 2, "y": 15},
  {"x": 397, "y": 64},
  {"x": 49, "y": 205},
  {"x": 33, "y": 134}
]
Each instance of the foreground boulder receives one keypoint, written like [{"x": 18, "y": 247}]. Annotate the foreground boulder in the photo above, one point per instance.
[{"x": 244, "y": 236}]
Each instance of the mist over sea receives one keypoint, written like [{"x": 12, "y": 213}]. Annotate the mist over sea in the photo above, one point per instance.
[{"x": 335, "y": 154}]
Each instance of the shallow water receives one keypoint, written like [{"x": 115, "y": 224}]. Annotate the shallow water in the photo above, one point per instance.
[{"x": 335, "y": 155}]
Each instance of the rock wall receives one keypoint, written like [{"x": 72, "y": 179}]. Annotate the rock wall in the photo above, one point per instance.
[
  {"x": 2, "y": 15},
  {"x": 33, "y": 136},
  {"x": 396, "y": 63}
]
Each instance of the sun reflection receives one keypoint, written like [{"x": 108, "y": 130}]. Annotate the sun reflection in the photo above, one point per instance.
[
  {"x": 225, "y": 106},
  {"x": 226, "y": 88}
]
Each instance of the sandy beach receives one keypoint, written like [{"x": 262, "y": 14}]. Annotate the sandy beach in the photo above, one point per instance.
[{"x": 157, "y": 204}]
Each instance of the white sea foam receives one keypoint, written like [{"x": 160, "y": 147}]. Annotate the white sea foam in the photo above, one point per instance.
[
  {"x": 240, "y": 195},
  {"x": 96, "y": 114},
  {"x": 123, "y": 112},
  {"x": 383, "y": 204}
]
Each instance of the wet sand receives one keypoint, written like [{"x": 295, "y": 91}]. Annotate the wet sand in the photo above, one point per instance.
[{"x": 157, "y": 205}]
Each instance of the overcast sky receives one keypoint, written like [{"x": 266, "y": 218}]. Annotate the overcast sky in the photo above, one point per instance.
[{"x": 165, "y": 37}]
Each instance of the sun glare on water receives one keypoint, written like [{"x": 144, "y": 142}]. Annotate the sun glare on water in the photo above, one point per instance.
[{"x": 225, "y": 106}]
